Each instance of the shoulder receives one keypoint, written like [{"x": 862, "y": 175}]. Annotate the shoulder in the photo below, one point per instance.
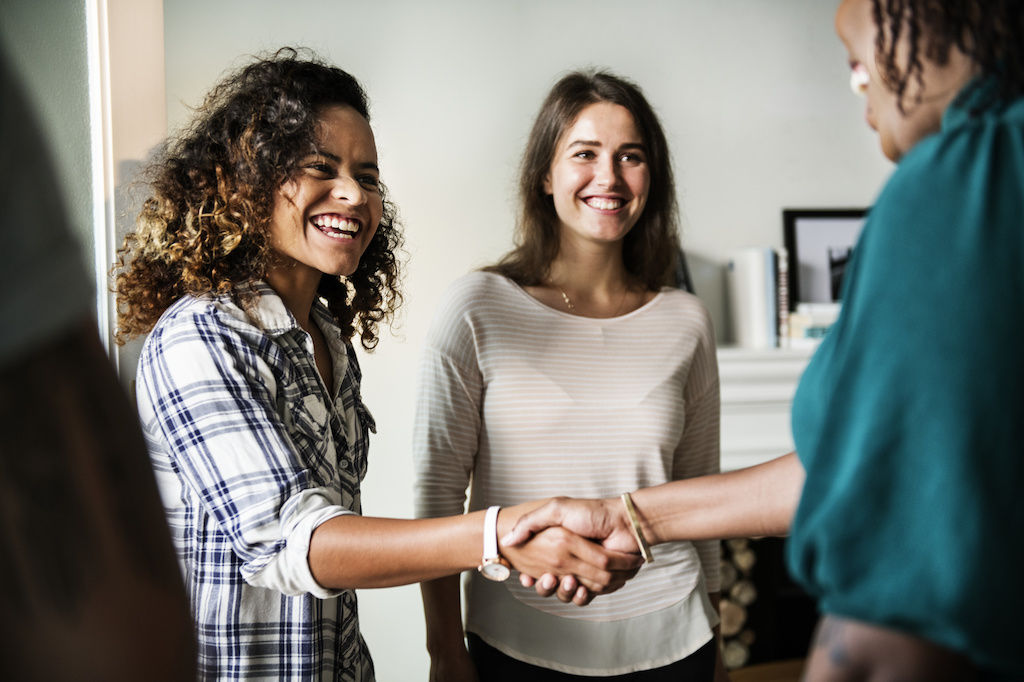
[
  {"x": 970, "y": 164},
  {"x": 477, "y": 287},
  {"x": 200, "y": 321},
  {"x": 473, "y": 293},
  {"x": 685, "y": 308},
  {"x": 955, "y": 199}
]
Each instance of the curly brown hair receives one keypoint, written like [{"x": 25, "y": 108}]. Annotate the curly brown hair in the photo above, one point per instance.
[
  {"x": 651, "y": 248},
  {"x": 205, "y": 225},
  {"x": 989, "y": 32}
]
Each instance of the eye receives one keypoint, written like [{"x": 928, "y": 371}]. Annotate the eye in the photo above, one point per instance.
[
  {"x": 632, "y": 158},
  {"x": 321, "y": 167},
  {"x": 369, "y": 181},
  {"x": 584, "y": 154}
]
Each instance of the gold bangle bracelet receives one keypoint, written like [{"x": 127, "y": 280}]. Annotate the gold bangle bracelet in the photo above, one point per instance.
[{"x": 645, "y": 549}]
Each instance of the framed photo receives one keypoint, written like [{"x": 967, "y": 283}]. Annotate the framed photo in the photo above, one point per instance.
[{"x": 818, "y": 244}]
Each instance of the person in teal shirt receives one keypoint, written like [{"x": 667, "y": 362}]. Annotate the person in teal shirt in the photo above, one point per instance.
[{"x": 901, "y": 500}]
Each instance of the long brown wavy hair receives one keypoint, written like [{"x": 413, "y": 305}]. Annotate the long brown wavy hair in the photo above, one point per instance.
[
  {"x": 989, "y": 32},
  {"x": 651, "y": 248},
  {"x": 204, "y": 226}
]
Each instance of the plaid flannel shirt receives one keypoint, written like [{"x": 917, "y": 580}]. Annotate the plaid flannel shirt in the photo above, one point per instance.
[{"x": 251, "y": 454}]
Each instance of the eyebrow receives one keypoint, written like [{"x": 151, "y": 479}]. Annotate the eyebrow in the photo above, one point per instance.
[
  {"x": 596, "y": 143},
  {"x": 366, "y": 165}
]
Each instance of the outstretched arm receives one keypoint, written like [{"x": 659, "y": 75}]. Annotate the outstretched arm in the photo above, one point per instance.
[
  {"x": 360, "y": 552},
  {"x": 752, "y": 502}
]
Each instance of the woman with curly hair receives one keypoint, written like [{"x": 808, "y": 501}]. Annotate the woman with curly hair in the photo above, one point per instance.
[
  {"x": 903, "y": 498},
  {"x": 267, "y": 243},
  {"x": 573, "y": 366}
]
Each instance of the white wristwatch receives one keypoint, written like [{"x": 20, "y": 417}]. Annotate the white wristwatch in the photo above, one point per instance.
[{"x": 493, "y": 567}]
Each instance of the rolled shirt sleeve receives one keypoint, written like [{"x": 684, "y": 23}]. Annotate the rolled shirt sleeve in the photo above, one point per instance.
[{"x": 242, "y": 437}]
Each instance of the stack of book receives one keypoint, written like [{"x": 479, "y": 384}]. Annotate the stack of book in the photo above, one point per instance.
[{"x": 758, "y": 293}]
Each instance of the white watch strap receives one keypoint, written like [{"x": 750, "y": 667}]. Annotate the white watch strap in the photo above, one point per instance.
[{"x": 491, "y": 533}]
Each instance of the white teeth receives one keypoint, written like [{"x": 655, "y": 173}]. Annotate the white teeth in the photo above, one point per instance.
[
  {"x": 603, "y": 204},
  {"x": 340, "y": 236},
  {"x": 336, "y": 223}
]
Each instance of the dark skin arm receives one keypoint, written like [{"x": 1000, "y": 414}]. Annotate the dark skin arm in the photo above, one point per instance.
[
  {"x": 754, "y": 502},
  {"x": 349, "y": 552},
  {"x": 89, "y": 585},
  {"x": 449, "y": 659},
  {"x": 846, "y": 650}
]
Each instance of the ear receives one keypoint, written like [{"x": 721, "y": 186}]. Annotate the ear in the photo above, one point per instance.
[{"x": 547, "y": 184}]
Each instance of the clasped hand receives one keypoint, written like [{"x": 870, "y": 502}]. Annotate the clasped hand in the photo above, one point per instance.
[{"x": 574, "y": 549}]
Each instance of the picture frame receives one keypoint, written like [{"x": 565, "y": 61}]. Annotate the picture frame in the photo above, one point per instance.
[{"x": 818, "y": 244}]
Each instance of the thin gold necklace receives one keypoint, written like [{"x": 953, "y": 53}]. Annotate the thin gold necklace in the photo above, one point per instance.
[
  {"x": 565, "y": 297},
  {"x": 571, "y": 307}
]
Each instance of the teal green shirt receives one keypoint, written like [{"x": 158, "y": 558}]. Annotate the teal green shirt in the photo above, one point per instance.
[{"x": 910, "y": 417}]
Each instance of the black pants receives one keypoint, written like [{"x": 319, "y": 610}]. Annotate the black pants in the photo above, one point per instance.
[{"x": 494, "y": 666}]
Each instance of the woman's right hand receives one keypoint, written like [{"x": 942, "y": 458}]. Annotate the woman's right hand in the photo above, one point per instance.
[{"x": 453, "y": 666}]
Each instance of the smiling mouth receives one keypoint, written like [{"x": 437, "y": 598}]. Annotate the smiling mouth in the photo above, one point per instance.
[
  {"x": 336, "y": 226},
  {"x": 604, "y": 203}
]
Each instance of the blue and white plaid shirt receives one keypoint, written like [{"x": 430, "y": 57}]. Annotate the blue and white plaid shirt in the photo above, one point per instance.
[{"x": 251, "y": 454}]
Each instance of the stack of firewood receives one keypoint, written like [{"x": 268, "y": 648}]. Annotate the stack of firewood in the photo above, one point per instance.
[{"x": 738, "y": 593}]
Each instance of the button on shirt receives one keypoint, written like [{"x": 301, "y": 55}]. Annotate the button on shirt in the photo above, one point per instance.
[{"x": 252, "y": 453}]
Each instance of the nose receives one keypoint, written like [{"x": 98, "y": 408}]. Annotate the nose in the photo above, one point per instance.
[
  {"x": 348, "y": 189},
  {"x": 606, "y": 174}
]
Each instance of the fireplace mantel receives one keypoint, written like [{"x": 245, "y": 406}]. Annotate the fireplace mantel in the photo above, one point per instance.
[{"x": 757, "y": 394}]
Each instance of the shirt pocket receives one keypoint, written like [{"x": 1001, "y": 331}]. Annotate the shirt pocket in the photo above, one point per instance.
[{"x": 311, "y": 435}]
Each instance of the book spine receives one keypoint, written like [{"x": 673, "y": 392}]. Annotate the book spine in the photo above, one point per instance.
[{"x": 782, "y": 295}]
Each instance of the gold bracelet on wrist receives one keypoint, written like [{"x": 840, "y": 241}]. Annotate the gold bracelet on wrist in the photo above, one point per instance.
[{"x": 645, "y": 549}]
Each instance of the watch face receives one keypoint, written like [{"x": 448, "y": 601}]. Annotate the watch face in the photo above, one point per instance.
[{"x": 495, "y": 571}]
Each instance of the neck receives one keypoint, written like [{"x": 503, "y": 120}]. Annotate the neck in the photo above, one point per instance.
[
  {"x": 296, "y": 285},
  {"x": 588, "y": 271}
]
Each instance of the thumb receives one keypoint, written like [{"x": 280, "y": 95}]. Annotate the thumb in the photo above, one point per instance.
[{"x": 532, "y": 522}]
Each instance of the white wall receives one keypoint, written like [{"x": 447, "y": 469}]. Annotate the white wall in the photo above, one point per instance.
[{"x": 753, "y": 95}]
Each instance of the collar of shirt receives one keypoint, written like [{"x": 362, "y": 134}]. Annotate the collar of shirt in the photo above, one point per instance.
[
  {"x": 980, "y": 97},
  {"x": 269, "y": 311}
]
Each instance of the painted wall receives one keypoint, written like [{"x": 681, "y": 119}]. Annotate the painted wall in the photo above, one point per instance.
[
  {"x": 753, "y": 96},
  {"x": 46, "y": 41}
]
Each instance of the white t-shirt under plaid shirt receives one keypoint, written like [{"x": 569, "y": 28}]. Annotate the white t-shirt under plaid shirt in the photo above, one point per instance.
[{"x": 251, "y": 454}]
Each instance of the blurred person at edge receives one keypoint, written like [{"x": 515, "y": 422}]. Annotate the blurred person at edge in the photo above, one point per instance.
[
  {"x": 902, "y": 498},
  {"x": 89, "y": 588}
]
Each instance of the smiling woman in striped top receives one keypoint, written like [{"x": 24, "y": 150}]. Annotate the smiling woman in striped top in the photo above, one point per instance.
[{"x": 573, "y": 367}]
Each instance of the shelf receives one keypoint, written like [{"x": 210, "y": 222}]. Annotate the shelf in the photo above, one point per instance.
[{"x": 757, "y": 387}]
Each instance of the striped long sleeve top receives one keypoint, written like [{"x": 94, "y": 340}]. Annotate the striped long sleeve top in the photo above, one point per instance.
[{"x": 526, "y": 402}]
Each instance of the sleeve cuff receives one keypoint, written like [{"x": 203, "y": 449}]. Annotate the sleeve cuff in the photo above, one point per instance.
[{"x": 289, "y": 572}]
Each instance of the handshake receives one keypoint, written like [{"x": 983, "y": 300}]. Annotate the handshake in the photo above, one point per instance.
[
  {"x": 594, "y": 546},
  {"x": 577, "y": 549}
]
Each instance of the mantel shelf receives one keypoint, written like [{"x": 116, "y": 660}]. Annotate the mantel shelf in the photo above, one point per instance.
[{"x": 757, "y": 387}]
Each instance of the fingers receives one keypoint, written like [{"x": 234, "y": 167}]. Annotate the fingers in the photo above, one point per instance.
[
  {"x": 567, "y": 588},
  {"x": 595, "y": 566},
  {"x": 545, "y": 585},
  {"x": 587, "y": 568},
  {"x": 550, "y": 514},
  {"x": 582, "y": 596}
]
